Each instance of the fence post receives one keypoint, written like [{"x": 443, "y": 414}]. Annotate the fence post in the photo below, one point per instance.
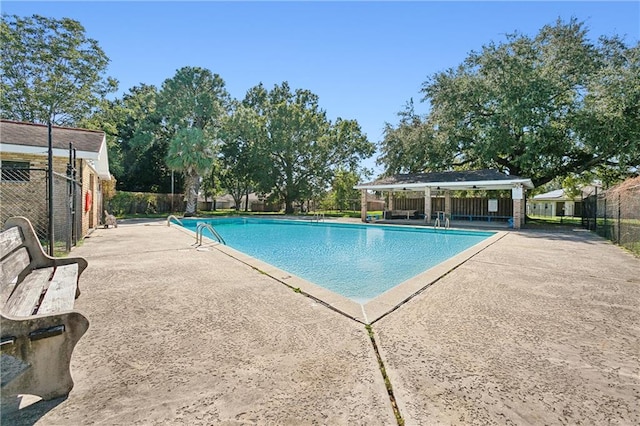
[
  {"x": 606, "y": 229},
  {"x": 50, "y": 188},
  {"x": 69, "y": 199},
  {"x": 77, "y": 228},
  {"x": 595, "y": 212},
  {"x": 619, "y": 217}
]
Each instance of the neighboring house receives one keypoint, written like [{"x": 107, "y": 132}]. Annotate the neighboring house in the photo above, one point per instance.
[
  {"x": 374, "y": 202},
  {"x": 556, "y": 203},
  {"x": 256, "y": 203},
  {"x": 24, "y": 146}
]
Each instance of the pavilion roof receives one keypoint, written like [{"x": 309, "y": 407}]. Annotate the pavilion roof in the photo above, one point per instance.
[{"x": 455, "y": 180}]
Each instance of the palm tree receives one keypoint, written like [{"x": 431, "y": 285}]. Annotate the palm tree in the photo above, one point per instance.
[{"x": 190, "y": 153}]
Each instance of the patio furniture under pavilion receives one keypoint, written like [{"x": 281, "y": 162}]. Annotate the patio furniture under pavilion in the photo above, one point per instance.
[{"x": 446, "y": 182}]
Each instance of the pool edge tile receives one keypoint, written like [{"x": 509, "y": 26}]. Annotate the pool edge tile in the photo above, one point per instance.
[{"x": 335, "y": 301}]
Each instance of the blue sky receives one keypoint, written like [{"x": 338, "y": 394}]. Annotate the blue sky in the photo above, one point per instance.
[{"x": 364, "y": 60}]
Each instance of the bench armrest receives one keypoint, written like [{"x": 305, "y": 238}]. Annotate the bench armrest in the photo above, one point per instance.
[{"x": 39, "y": 258}]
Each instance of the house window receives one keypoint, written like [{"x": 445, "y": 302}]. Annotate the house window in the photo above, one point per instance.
[{"x": 15, "y": 171}]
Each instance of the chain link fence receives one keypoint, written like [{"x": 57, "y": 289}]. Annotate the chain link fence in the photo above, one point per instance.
[
  {"x": 615, "y": 214},
  {"x": 24, "y": 192}
]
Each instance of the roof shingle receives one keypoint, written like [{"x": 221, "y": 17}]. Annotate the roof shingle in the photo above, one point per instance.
[{"x": 29, "y": 134}]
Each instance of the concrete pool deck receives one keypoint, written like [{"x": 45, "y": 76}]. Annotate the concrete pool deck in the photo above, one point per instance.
[{"x": 537, "y": 328}]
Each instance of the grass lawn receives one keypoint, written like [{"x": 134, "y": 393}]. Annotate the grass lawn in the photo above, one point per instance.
[
  {"x": 545, "y": 221},
  {"x": 233, "y": 212}
]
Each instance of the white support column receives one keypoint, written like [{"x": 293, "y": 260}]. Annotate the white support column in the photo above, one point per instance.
[
  {"x": 427, "y": 205},
  {"x": 447, "y": 203},
  {"x": 363, "y": 205}
]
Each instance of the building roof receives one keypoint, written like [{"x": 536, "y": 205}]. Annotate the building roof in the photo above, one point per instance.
[
  {"x": 454, "y": 180},
  {"x": 30, "y": 138},
  {"x": 558, "y": 194}
]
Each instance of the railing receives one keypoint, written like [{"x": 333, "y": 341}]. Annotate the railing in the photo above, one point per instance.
[
  {"x": 441, "y": 221},
  {"x": 200, "y": 230},
  {"x": 174, "y": 218},
  {"x": 317, "y": 217}
]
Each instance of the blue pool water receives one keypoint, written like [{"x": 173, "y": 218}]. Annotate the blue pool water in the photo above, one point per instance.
[{"x": 356, "y": 261}]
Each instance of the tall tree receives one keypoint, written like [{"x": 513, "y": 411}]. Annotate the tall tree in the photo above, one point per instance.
[
  {"x": 191, "y": 153},
  {"x": 137, "y": 147},
  {"x": 242, "y": 164},
  {"x": 194, "y": 98},
  {"x": 410, "y": 147},
  {"x": 301, "y": 145},
  {"x": 344, "y": 196},
  {"x": 609, "y": 123},
  {"x": 529, "y": 106},
  {"x": 143, "y": 142},
  {"x": 50, "y": 70},
  {"x": 211, "y": 183}
]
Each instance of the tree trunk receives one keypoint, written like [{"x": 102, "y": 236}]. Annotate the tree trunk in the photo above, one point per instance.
[
  {"x": 246, "y": 202},
  {"x": 191, "y": 189},
  {"x": 288, "y": 205}
]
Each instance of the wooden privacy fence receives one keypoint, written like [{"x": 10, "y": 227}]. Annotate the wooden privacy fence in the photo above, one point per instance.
[
  {"x": 459, "y": 206},
  {"x": 144, "y": 203}
]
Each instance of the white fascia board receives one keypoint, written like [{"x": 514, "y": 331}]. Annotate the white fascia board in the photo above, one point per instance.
[
  {"x": 102, "y": 164},
  {"x": 487, "y": 184},
  {"x": 39, "y": 150},
  {"x": 98, "y": 161}
]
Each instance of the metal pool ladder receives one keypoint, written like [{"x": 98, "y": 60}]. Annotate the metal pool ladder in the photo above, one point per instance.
[
  {"x": 442, "y": 221},
  {"x": 174, "y": 218},
  {"x": 200, "y": 230}
]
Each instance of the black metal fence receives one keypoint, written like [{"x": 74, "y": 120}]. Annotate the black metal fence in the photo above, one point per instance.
[
  {"x": 615, "y": 214},
  {"x": 24, "y": 192}
]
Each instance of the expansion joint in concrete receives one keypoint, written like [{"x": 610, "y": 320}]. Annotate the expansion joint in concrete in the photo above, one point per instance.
[{"x": 385, "y": 377}]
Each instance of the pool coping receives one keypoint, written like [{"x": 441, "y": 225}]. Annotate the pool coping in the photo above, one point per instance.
[{"x": 379, "y": 306}]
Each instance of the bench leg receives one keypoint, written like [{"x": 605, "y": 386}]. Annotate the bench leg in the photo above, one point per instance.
[{"x": 44, "y": 350}]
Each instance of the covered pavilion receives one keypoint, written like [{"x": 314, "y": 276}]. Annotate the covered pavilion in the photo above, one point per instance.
[{"x": 468, "y": 180}]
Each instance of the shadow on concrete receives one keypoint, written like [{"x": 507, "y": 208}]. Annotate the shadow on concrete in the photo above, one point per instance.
[{"x": 25, "y": 410}]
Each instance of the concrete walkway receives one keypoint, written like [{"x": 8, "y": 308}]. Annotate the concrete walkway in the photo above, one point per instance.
[{"x": 537, "y": 328}]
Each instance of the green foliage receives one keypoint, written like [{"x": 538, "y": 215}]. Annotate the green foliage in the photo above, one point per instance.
[
  {"x": 135, "y": 141},
  {"x": 211, "y": 184},
  {"x": 191, "y": 153},
  {"x": 192, "y": 105},
  {"x": 300, "y": 146},
  {"x": 50, "y": 70},
  {"x": 343, "y": 193},
  {"x": 545, "y": 106},
  {"x": 127, "y": 203},
  {"x": 193, "y": 97},
  {"x": 242, "y": 164},
  {"x": 411, "y": 147}
]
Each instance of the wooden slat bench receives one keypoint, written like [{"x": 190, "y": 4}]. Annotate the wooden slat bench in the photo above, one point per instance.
[
  {"x": 39, "y": 328},
  {"x": 400, "y": 214},
  {"x": 471, "y": 217}
]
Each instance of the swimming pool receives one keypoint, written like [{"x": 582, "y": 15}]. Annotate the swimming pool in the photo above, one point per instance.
[{"x": 357, "y": 261}]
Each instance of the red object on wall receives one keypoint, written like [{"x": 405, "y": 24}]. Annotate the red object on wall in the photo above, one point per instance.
[{"x": 88, "y": 199}]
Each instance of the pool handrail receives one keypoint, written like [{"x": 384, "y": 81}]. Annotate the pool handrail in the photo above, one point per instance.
[
  {"x": 174, "y": 218},
  {"x": 441, "y": 217},
  {"x": 317, "y": 217},
  {"x": 200, "y": 231}
]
